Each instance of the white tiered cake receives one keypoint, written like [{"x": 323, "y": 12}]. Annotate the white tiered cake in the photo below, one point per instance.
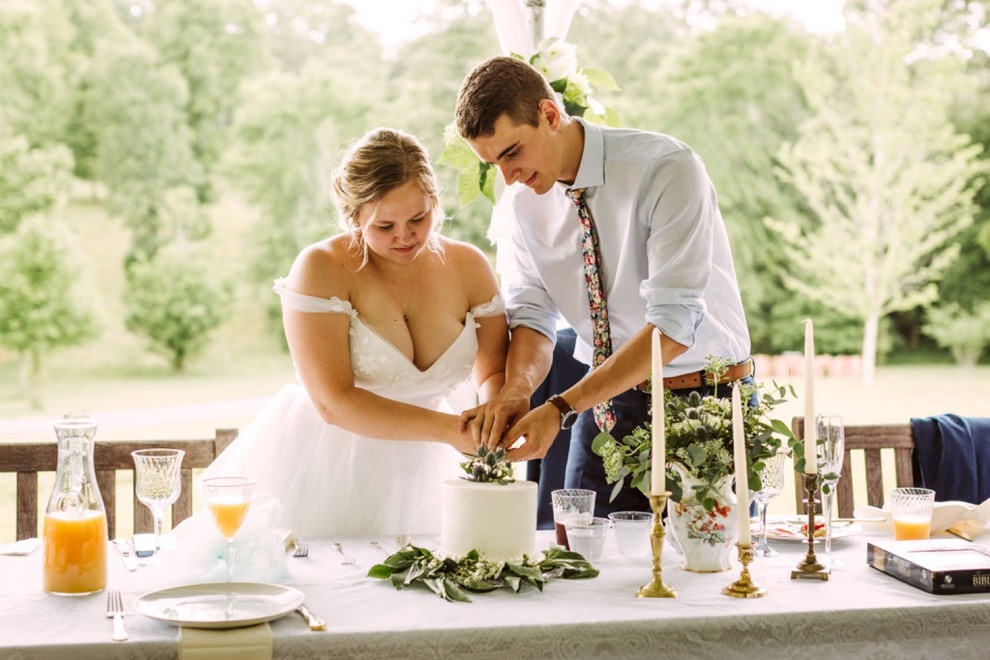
[{"x": 497, "y": 520}]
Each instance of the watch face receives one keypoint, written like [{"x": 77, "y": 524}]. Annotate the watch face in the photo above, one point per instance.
[{"x": 567, "y": 420}]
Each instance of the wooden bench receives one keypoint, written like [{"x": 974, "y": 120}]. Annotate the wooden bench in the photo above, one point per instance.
[
  {"x": 28, "y": 459},
  {"x": 871, "y": 440}
]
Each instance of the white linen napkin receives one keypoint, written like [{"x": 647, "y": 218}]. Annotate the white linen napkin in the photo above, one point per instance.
[
  {"x": 249, "y": 643},
  {"x": 944, "y": 515},
  {"x": 21, "y": 548}
]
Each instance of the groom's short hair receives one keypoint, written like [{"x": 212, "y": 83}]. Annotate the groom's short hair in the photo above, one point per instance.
[{"x": 499, "y": 85}]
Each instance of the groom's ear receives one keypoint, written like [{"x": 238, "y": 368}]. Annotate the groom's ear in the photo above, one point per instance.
[{"x": 550, "y": 112}]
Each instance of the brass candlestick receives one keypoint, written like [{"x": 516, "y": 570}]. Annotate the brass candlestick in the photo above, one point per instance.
[
  {"x": 657, "y": 588},
  {"x": 744, "y": 587},
  {"x": 809, "y": 567}
]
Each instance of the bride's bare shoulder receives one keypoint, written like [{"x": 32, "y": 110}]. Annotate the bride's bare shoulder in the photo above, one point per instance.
[
  {"x": 473, "y": 267},
  {"x": 325, "y": 268}
]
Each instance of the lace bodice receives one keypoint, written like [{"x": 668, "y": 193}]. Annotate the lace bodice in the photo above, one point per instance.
[{"x": 382, "y": 368}]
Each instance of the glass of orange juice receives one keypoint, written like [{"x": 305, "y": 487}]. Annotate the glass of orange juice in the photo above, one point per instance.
[
  {"x": 911, "y": 509},
  {"x": 229, "y": 499}
]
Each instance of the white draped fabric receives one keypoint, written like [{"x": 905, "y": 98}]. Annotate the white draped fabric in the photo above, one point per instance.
[{"x": 514, "y": 23}]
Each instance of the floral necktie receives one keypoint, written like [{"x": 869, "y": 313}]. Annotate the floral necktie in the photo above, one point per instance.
[{"x": 604, "y": 414}]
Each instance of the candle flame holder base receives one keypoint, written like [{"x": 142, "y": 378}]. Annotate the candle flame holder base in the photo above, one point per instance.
[
  {"x": 657, "y": 588},
  {"x": 744, "y": 587},
  {"x": 810, "y": 567}
]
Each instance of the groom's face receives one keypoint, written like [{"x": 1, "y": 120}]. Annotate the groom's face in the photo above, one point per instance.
[{"x": 524, "y": 154}]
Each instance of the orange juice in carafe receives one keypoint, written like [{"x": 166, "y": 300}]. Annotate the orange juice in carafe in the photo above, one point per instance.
[
  {"x": 75, "y": 534},
  {"x": 75, "y": 553}
]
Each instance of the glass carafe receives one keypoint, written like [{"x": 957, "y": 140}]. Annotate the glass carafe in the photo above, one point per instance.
[{"x": 76, "y": 519}]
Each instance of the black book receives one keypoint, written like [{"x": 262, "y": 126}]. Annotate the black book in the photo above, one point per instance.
[{"x": 939, "y": 566}]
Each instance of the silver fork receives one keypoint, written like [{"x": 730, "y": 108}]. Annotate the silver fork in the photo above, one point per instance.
[
  {"x": 378, "y": 546},
  {"x": 345, "y": 559},
  {"x": 301, "y": 550},
  {"x": 115, "y": 609}
]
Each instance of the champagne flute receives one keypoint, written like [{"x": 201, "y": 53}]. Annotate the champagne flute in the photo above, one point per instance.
[
  {"x": 156, "y": 483},
  {"x": 229, "y": 499},
  {"x": 772, "y": 482},
  {"x": 831, "y": 450}
]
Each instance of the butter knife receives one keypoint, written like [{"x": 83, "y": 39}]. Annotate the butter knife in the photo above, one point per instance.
[
  {"x": 126, "y": 554},
  {"x": 314, "y": 622}
]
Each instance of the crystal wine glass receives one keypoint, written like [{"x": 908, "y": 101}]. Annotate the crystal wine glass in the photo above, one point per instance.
[
  {"x": 229, "y": 499},
  {"x": 772, "y": 480},
  {"x": 831, "y": 449},
  {"x": 156, "y": 483}
]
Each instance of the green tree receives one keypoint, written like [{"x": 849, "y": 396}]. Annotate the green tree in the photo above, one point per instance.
[
  {"x": 175, "y": 303},
  {"x": 31, "y": 180},
  {"x": 888, "y": 180},
  {"x": 964, "y": 332},
  {"x": 214, "y": 44},
  {"x": 44, "y": 301}
]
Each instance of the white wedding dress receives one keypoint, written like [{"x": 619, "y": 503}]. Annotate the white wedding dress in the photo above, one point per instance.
[{"x": 334, "y": 483}]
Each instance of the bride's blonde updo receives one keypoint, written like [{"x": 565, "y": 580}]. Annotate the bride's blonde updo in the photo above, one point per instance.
[{"x": 381, "y": 161}]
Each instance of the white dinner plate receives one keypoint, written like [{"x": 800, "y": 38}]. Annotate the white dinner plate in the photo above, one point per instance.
[
  {"x": 219, "y": 604},
  {"x": 791, "y": 528}
]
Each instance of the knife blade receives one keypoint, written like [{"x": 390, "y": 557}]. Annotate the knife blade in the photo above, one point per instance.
[{"x": 126, "y": 554}]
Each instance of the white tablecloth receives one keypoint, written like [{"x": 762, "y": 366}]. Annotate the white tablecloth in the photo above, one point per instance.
[{"x": 859, "y": 613}]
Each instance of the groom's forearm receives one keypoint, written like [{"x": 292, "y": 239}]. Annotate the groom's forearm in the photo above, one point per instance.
[{"x": 528, "y": 362}]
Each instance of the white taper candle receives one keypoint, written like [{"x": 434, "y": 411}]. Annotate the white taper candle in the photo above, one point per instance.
[
  {"x": 810, "y": 444},
  {"x": 658, "y": 480},
  {"x": 742, "y": 474}
]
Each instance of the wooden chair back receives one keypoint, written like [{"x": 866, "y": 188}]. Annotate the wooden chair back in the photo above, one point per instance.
[
  {"x": 870, "y": 440},
  {"x": 28, "y": 459}
]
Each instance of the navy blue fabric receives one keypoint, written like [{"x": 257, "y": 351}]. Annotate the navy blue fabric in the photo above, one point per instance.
[
  {"x": 953, "y": 456},
  {"x": 548, "y": 472},
  {"x": 585, "y": 468}
]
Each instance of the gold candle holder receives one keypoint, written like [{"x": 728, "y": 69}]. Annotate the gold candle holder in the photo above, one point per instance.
[
  {"x": 657, "y": 588},
  {"x": 810, "y": 567},
  {"x": 744, "y": 587}
]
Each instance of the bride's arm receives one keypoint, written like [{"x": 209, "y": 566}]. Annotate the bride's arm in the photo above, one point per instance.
[
  {"x": 493, "y": 329},
  {"x": 319, "y": 344}
]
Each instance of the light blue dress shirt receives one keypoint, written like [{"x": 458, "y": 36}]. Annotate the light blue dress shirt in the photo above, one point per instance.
[{"x": 665, "y": 252}]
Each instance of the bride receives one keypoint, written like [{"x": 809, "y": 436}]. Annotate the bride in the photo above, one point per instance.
[{"x": 385, "y": 322}]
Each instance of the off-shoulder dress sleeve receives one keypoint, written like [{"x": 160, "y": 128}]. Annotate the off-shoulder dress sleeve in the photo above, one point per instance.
[
  {"x": 495, "y": 307},
  {"x": 300, "y": 302}
]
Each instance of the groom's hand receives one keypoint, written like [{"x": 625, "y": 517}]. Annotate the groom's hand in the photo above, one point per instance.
[
  {"x": 488, "y": 422},
  {"x": 537, "y": 431}
]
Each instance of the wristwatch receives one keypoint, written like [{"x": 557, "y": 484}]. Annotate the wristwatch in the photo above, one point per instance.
[{"x": 567, "y": 414}]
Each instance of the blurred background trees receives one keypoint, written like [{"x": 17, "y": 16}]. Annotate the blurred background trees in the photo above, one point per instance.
[{"x": 177, "y": 155}]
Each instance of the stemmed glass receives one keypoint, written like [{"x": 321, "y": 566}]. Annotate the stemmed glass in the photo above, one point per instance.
[
  {"x": 772, "y": 480},
  {"x": 228, "y": 499},
  {"x": 831, "y": 449},
  {"x": 156, "y": 483}
]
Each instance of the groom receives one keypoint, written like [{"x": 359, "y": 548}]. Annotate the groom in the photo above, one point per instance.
[{"x": 616, "y": 230}]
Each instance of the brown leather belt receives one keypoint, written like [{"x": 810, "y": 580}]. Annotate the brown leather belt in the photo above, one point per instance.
[{"x": 695, "y": 379}]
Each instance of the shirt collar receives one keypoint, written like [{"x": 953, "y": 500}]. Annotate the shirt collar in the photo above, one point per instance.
[{"x": 591, "y": 171}]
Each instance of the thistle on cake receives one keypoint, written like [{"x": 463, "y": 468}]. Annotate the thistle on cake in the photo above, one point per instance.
[{"x": 488, "y": 466}]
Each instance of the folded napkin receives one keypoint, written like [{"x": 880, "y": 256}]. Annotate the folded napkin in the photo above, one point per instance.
[
  {"x": 944, "y": 515},
  {"x": 250, "y": 643},
  {"x": 197, "y": 555},
  {"x": 22, "y": 547}
]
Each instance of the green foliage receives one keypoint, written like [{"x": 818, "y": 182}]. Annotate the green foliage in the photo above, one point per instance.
[
  {"x": 44, "y": 302},
  {"x": 888, "y": 181},
  {"x": 449, "y": 578},
  {"x": 31, "y": 180},
  {"x": 174, "y": 303},
  {"x": 964, "y": 332},
  {"x": 698, "y": 436}
]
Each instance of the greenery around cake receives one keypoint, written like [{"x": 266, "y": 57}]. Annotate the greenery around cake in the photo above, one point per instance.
[
  {"x": 450, "y": 577},
  {"x": 489, "y": 466}
]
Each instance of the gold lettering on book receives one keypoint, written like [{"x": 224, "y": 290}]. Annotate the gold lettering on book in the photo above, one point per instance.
[{"x": 981, "y": 580}]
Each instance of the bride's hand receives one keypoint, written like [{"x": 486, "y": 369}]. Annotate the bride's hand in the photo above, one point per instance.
[{"x": 486, "y": 423}]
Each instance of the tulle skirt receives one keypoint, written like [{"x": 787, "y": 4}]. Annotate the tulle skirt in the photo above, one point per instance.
[{"x": 334, "y": 483}]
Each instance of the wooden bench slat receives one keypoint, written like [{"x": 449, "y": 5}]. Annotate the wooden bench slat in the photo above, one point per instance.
[{"x": 27, "y": 459}]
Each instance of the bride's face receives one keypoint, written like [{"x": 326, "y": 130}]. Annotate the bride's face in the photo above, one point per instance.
[{"x": 398, "y": 227}]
